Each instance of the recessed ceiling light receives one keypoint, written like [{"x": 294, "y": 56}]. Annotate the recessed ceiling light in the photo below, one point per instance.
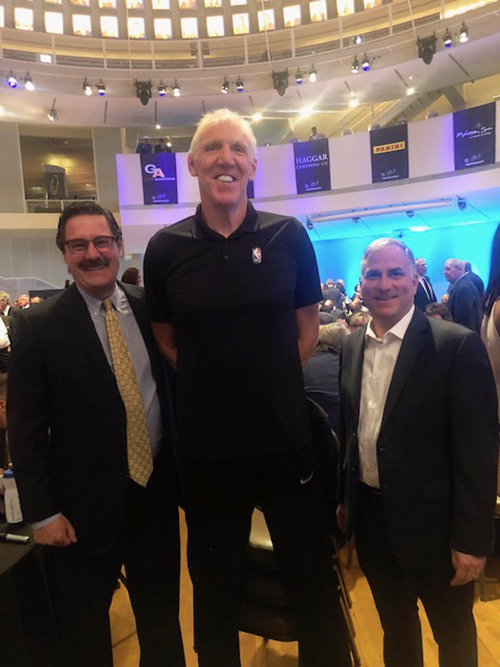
[
  {"x": 257, "y": 116},
  {"x": 45, "y": 58}
]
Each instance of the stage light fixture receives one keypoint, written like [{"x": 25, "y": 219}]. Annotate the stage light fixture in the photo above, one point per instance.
[
  {"x": 28, "y": 82},
  {"x": 410, "y": 214},
  {"x": 355, "y": 65},
  {"x": 240, "y": 86},
  {"x": 176, "y": 89},
  {"x": 298, "y": 77},
  {"x": 158, "y": 126},
  {"x": 354, "y": 102},
  {"x": 463, "y": 35},
  {"x": 52, "y": 115},
  {"x": 447, "y": 39},
  {"x": 365, "y": 63},
  {"x": 357, "y": 40},
  {"x": 87, "y": 88},
  {"x": 309, "y": 225},
  {"x": 427, "y": 48},
  {"x": 410, "y": 90},
  {"x": 306, "y": 110},
  {"x": 162, "y": 89},
  {"x": 143, "y": 91},
  {"x": 224, "y": 89},
  {"x": 280, "y": 82},
  {"x": 12, "y": 80},
  {"x": 313, "y": 75},
  {"x": 462, "y": 203},
  {"x": 101, "y": 88},
  {"x": 168, "y": 142},
  {"x": 257, "y": 117}
]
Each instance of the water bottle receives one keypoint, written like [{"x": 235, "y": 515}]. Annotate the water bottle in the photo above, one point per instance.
[{"x": 13, "y": 512}]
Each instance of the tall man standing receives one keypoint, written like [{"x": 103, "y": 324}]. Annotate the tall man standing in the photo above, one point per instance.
[
  {"x": 425, "y": 293},
  {"x": 420, "y": 452},
  {"x": 233, "y": 295},
  {"x": 464, "y": 302},
  {"x": 91, "y": 434}
]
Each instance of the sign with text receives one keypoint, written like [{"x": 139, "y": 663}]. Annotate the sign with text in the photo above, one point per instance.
[
  {"x": 474, "y": 136},
  {"x": 312, "y": 166},
  {"x": 389, "y": 153},
  {"x": 159, "y": 178}
]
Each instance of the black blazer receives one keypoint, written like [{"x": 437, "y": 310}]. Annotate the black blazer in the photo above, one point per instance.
[
  {"x": 465, "y": 304},
  {"x": 67, "y": 422},
  {"x": 421, "y": 298},
  {"x": 438, "y": 444}
]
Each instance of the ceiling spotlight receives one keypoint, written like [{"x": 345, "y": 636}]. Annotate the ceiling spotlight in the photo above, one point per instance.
[
  {"x": 87, "y": 88},
  {"x": 427, "y": 48},
  {"x": 355, "y": 65},
  {"x": 358, "y": 39},
  {"x": 298, "y": 77},
  {"x": 162, "y": 89},
  {"x": 257, "y": 117},
  {"x": 225, "y": 86},
  {"x": 176, "y": 89},
  {"x": 101, "y": 88},
  {"x": 28, "y": 83},
  {"x": 12, "y": 80},
  {"x": 168, "y": 142},
  {"x": 306, "y": 110},
  {"x": 280, "y": 82},
  {"x": 309, "y": 224},
  {"x": 239, "y": 85},
  {"x": 447, "y": 39},
  {"x": 158, "y": 126},
  {"x": 313, "y": 74},
  {"x": 52, "y": 115},
  {"x": 143, "y": 91},
  {"x": 462, "y": 203},
  {"x": 365, "y": 63},
  {"x": 353, "y": 103},
  {"x": 463, "y": 35},
  {"x": 410, "y": 90}
]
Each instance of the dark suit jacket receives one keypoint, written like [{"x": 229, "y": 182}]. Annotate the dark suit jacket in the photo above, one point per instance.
[
  {"x": 67, "y": 422},
  {"x": 438, "y": 444},
  {"x": 477, "y": 281},
  {"x": 421, "y": 298},
  {"x": 465, "y": 304}
]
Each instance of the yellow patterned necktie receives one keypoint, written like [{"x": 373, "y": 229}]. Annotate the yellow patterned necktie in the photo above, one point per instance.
[{"x": 140, "y": 460}]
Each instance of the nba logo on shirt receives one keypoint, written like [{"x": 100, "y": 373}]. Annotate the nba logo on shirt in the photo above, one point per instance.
[{"x": 256, "y": 255}]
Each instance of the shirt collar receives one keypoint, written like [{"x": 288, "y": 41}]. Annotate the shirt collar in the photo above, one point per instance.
[
  {"x": 201, "y": 230},
  {"x": 94, "y": 305},
  {"x": 397, "y": 331}
]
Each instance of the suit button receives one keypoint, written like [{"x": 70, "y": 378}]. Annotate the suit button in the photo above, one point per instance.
[
  {"x": 381, "y": 449},
  {"x": 353, "y": 469}
]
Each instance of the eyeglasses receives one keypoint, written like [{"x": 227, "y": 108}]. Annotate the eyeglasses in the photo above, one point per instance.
[{"x": 80, "y": 246}]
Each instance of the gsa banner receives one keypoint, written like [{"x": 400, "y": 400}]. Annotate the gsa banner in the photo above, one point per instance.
[
  {"x": 389, "y": 151},
  {"x": 474, "y": 134},
  {"x": 159, "y": 178},
  {"x": 312, "y": 166}
]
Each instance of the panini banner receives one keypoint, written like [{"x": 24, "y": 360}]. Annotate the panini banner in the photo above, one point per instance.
[
  {"x": 312, "y": 166},
  {"x": 389, "y": 153},
  {"x": 159, "y": 178},
  {"x": 474, "y": 135}
]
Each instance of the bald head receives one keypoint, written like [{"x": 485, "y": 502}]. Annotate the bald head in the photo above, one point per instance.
[{"x": 453, "y": 270}]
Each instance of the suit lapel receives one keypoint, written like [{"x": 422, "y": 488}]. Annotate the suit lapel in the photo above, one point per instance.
[
  {"x": 411, "y": 347},
  {"x": 75, "y": 312}
]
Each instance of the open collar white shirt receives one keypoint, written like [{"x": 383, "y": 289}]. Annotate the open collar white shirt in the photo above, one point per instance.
[{"x": 379, "y": 361}]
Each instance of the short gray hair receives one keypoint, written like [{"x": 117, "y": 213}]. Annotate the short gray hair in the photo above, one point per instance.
[
  {"x": 331, "y": 336},
  {"x": 379, "y": 244},
  {"x": 218, "y": 116},
  {"x": 5, "y": 296}
]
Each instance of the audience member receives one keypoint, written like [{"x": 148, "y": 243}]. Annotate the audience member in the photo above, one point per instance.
[
  {"x": 332, "y": 293},
  {"x": 162, "y": 147},
  {"x": 238, "y": 345},
  {"x": 321, "y": 373},
  {"x": 131, "y": 276},
  {"x": 5, "y": 325},
  {"x": 5, "y": 307},
  {"x": 425, "y": 293},
  {"x": 144, "y": 146},
  {"x": 490, "y": 328},
  {"x": 91, "y": 434},
  {"x": 464, "y": 302},
  {"x": 358, "y": 320},
  {"x": 3, "y": 422},
  {"x": 439, "y": 311},
  {"x": 315, "y": 135},
  {"x": 24, "y": 302},
  {"x": 420, "y": 456},
  {"x": 474, "y": 278},
  {"x": 35, "y": 300}
]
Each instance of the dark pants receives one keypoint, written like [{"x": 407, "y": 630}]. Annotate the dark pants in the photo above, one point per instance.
[
  {"x": 396, "y": 590},
  {"x": 81, "y": 585},
  {"x": 220, "y": 497}
]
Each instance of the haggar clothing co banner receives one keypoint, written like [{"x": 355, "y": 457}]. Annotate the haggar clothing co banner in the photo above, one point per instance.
[
  {"x": 159, "y": 178},
  {"x": 389, "y": 153},
  {"x": 474, "y": 135},
  {"x": 312, "y": 166}
]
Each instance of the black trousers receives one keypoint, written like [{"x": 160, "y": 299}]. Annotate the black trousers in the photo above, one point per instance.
[
  {"x": 220, "y": 497},
  {"x": 396, "y": 590},
  {"x": 81, "y": 585}
]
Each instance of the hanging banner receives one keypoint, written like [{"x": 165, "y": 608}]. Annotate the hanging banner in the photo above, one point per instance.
[
  {"x": 389, "y": 152},
  {"x": 159, "y": 178},
  {"x": 312, "y": 166},
  {"x": 474, "y": 135}
]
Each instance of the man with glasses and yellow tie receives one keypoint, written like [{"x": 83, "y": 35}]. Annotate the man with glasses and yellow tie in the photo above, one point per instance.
[{"x": 91, "y": 435}]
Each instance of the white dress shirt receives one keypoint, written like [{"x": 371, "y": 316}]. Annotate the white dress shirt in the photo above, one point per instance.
[{"x": 379, "y": 361}]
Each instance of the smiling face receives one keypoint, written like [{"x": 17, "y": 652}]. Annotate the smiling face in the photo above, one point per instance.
[
  {"x": 388, "y": 286},
  {"x": 95, "y": 270},
  {"x": 224, "y": 163}
]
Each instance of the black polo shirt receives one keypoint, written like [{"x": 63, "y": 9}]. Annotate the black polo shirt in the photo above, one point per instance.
[{"x": 232, "y": 302}]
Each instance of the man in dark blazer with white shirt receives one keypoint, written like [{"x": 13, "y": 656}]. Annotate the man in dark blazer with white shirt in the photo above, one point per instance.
[
  {"x": 70, "y": 430},
  {"x": 425, "y": 293},
  {"x": 419, "y": 454}
]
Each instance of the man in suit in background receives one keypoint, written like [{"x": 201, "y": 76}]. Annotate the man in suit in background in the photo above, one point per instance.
[
  {"x": 6, "y": 310},
  {"x": 91, "y": 435},
  {"x": 464, "y": 302},
  {"x": 419, "y": 453},
  {"x": 474, "y": 278},
  {"x": 425, "y": 293}
]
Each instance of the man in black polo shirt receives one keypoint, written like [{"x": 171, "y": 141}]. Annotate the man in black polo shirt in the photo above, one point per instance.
[{"x": 233, "y": 296}]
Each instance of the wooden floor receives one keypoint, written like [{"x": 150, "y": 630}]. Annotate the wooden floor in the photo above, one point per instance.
[{"x": 276, "y": 654}]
